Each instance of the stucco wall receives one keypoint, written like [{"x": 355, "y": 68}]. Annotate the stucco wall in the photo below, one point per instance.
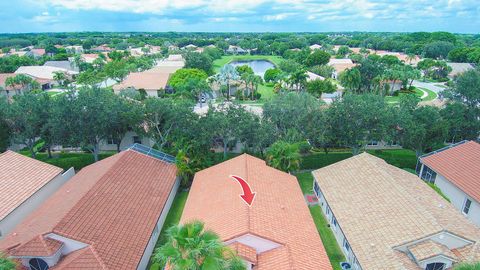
[
  {"x": 457, "y": 198},
  {"x": 126, "y": 142},
  {"x": 15, "y": 217}
]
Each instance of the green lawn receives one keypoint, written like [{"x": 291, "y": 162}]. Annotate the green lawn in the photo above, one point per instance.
[
  {"x": 431, "y": 95},
  {"x": 219, "y": 63},
  {"x": 396, "y": 99},
  {"x": 173, "y": 218},
  {"x": 334, "y": 253},
  {"x": 68, "y": 160},
  {"x": 266, "y": 91}
]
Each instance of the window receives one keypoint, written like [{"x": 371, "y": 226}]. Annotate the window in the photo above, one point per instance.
[
  {"x": 316, "y": 188},
  {"x": 334, "y": 222},
  {"x": 38, "y": 264},
  {"x": 346, "y": 245},
  {"x": 428, "y": 174},
  {"x": 111, "y": 140},
  {"x": 466, "y": 206},
  {"x": 373, "y": 143},
  {"x": 435, "y": 266},
  {"x": 137, "y": 139}
]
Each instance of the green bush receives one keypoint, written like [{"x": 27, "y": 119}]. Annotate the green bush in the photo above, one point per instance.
[
  {"x": 401, "y": 158},
  {"x": 319, "y": 160},
  {"x": 68, "y": 160},
  {"x": 155, "y": 266}
]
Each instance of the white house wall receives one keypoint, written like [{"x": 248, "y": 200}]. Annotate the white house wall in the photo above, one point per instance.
[
  {"x": 126, "y": 142},
  {"x": 457, "y": 197},
  {"x": 8, "y": 223},
  {"x": 158, "y": 227}
]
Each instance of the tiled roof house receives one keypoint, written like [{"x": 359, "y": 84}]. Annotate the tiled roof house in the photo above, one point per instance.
[
  {"x": 108, "y": 216},
  {"x": 276, "y": 232},
  {"x": 456, "y": 171},
  {"x": 24, "y": 184},
  {"x": 384, "y": 217}
]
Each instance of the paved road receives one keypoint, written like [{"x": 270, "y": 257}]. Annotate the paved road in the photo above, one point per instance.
[{"x": 429, "y": 86}]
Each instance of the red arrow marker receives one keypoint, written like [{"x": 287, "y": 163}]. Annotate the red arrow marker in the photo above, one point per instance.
[{"x": 247, "y": 195}]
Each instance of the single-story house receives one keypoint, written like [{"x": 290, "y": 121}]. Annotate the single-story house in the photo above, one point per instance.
[
  {"x": 128, "y": 139},
  {"x": 36, "y": 53},
  {"x": 455, "y": 170},
  {"x": 43, "y": 74},
  {"x": 102, "y": 48},
  {"x": 151, "y": 82},
  {"x": 275, "y": 232},
  {"x": 70, "y": 66},
  {"x": 10, "y": 91},
  {"x": 173, "y": 48},
  {"x": 401, "y": 56},
  {"x": 108, "y": 216},
  {"x": 25, "y": 183},
  {"x": 459, "y": 68},
  {"x": 312, "y": 76},
  {"x": 236, "y": 50},
  {"x": 384, "y": 217},
  {"x": 74, "y": 49},
  {"x": 315, "y": 47},
  {"x": 189, "y": 47},
  {"x": 340, "y": 65},
  {"x": 89, "y": 57}
]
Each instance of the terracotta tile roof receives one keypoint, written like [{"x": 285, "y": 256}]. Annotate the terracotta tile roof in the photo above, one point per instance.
[
  {"x": 460, "y": 165},
  {"x": 428, "y": 249},
  {"x": 85, "y": 258},
  {"x": 144, "y": 80},
  {"x": 341, "y": 64},
  {"x": 397, "y": 207},
  {"x": 112, "y": 205},
  {"x": 278, "y": 213},
  {"x": 246, "y": 252},
  {"x": 20, "y": 178},
  {"x": 38, "y": 246}
]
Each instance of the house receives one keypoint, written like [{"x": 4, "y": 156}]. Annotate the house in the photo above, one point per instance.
[
  {"x": 455, "y": 170},
  {"x": 128, "y": 139},
  {"x": 384, "y": 217},
  {"x": 102, "y": 48},
  {"x": 312, "y": 76},
  {"x": 151, "y": 82},
  {"x": 315, "y": 47},
  {"x": 67, "y": 65},
  {"x": 173, "y": 48},
  {"x": 43, "y": 74},
  {"x": 74, "y": 49},
  {"x": 236, "y": 50},
  {"x": 108, "y": 216},
  {"x": 340, "y": 65},
  {"x": 189, "y": 47},
  {"x": 5, "y": 90},
  {"x": 36, "y": 53},
  {"x": 459, "y": 68},
  {"x": 25, "y": 183},
  {"x": 276, "y": 232},
  {"x": 89, "y": 57}
]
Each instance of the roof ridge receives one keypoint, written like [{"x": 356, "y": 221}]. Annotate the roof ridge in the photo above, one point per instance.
[{"x": 249, "y": 224}]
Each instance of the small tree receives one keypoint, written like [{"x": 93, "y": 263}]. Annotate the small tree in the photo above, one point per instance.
[
  {"x": 317, "y": 57},
  {"x": 190, "y": 246},
  {"x": 467, "y": 266},
  {"x": 284, "y": 156}
]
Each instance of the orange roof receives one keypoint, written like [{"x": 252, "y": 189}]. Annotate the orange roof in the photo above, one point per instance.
[
  {"x": 38, "y": 246},
  {"x": 278, "y": 215},
  {"x": 112, "y": 206},
  {"x": 144, "y": 80},
  {"x": 3, "y": 78},
  {"x": 460, "y": 165},
  {"x": 20, "y": 178}
]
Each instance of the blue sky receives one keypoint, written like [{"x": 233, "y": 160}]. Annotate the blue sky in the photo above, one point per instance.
[{"x": 462, "y": 16}]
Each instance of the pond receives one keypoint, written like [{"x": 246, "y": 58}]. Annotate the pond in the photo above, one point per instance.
[{"x": 259, "y": 66}]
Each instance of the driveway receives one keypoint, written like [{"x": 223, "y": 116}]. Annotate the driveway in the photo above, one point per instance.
[{"x": 430, "y": 86}]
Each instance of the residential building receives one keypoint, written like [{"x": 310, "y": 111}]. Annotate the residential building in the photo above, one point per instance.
[
  {"x": 89, "y": 57},
  {"x": 236, "y": 50},
  {"x": 25, "y": 183},
  {"x": 384, "y": 217},
  {"x": 276, "y": 232},
  {"x": 315, "y": 47},
  {"x": 340, "y": 65},
  {"x": 459, "y": 68},
  {"x": 67, "y": 65},
  {"x": 74, "y": 49},
  {"x": 189, "y": 47},
  {"x": 102, "y": 48},
  {"x": 108, "y": 216},
  {"x": 43, "y": 74},
  {"x": 153, "y": 84},
  {"x": 455, "y": 170},
  {"x": 10, "y": 91},
  {"x": 127, "y": 141},
  {"x": 36, "y": 53}
]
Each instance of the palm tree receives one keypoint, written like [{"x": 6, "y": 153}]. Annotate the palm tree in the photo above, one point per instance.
[
  {"x": 6, "y": 263},
  {"x": 298, "y": 79},
  {"x": 185, "y": 167},
  {"x": 59, "y": 77},
  {"x": 284, "y": 156},
  {"x": 255, "y": 81},
  {"x": 191, "y": 247},
  {"x": 411, "y": 57},
  {"x": 227, "y": 74}
]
